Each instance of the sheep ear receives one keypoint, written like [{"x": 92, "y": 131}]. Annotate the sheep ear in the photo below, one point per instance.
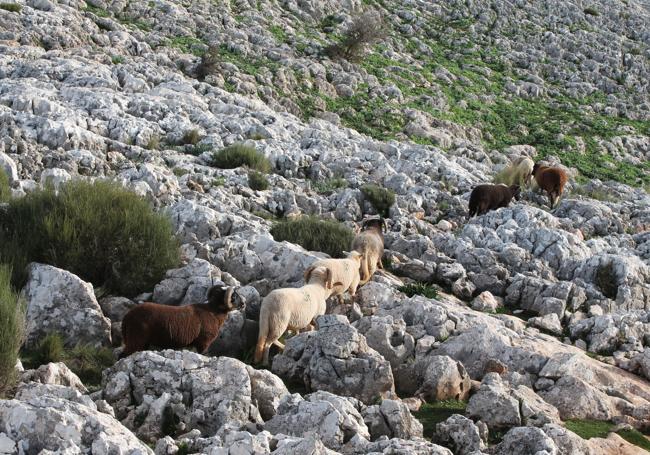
[
  {"x": 308, "y": 273},
  {"x": 346, "y": 253}
]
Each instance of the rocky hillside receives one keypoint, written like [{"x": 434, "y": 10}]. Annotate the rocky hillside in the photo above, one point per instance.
[{"x": 525, "y": 330}]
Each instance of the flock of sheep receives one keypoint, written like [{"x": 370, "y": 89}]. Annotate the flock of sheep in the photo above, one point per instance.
[
  {"x": 295, "y": 309},
  {"x": 491, "y": 197}
]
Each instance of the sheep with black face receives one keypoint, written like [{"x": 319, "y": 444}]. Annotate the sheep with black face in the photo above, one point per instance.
[{"x": 171, "y": 327}]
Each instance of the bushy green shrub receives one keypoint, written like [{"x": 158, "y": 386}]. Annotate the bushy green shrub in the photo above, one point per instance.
[
  {"x": 380, "y": 198},
  {"x": 257, "y": 181},
  {"x": 315, "y": 234},
  {"x": 5, "y": 189},
  {"x": 366, "y": 29},
  {"x": 84, "y": 360},
  {"x": 209, "y": 63},
  {"x": 329, "y": 186},
  {"x": 50, "y": 348},
  {"x": 237, "y": 155},
  {"x": 591, "y": 11},
  {"x": 99, "y": 231},
  {"x": 13, "y": 7},
  {"x": 12, "y": 324},
  {"x": 431, "y": 414},
  {"x": 191, "y": 136},
  {"x": 426, "y": 290}
]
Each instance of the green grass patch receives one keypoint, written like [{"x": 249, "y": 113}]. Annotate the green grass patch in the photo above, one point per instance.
[
  {"x": 635, "y": 437},
  {"x": 5, "y": 188},
  {"x": 278, "y": 33},
  {"x": 187, "y": 45},
  {"x": 238, "y": 155},
  {"x": 153, "y": 143},
  {"x": 431, "y": 414},
  {"x": 99, "y": 231},
  {"x": 257, "y": 181},
  {"x": 117, "y": 59},
  {"x": 13, "y": 7},
  {"x": 191, "y": 136},
  {"x": 380, "y": 198},
  {"x": 329, "y": 186},
  {"x": 84, "y": 360},
  {"x": 12, "y": 326},
  {"x": 427, "y": 290},
  {"x": 315, "y": 234},
  {"x": 588, "y": 429},
  {"x": 99, "y": 12}
]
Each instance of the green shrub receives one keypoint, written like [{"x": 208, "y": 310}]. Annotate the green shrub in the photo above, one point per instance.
[
  {"x": 100, "y": 231},
  {"x": 366, "y": 29},
  {"x": 315, "y": 234},
  {"x": 88, "y": 362},
  {"x": 13, "y": 7},
  {"x": 117, "y": 59},
  {"x": 50, "y": 348},
  {"x": 257, "y": 181},
  {"x": 591, "y": 11},
  {"x": 431, "y": 414},
  {"x": 12, "y": 324},
  {"x": 380, "y": 198},
  {"x": 209, "y": 63},
  {"x": 426, "y": 290},
  {"x": 84, "y": 360},
  {"x": 153, "y": 144},
  {"x": 329, "y": 186},
  {"x": 5, "y": 189},
  {"x": 237, "y": 155},
  {"x": 191, "y": 137}
]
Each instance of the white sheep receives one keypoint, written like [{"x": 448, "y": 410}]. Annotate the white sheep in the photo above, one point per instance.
[
  {"x": 291, "y": 309},
  {"x": 519, "y": 172},
  {"x": 344, "y": 273}
]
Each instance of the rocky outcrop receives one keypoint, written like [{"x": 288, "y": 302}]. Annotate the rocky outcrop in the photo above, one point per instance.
[
  {"x": 60, "y": 302},
  {"x": 335, "y": 358},
  {"x": 187, "y": 391},
  {"x": 56, "y": 418}
]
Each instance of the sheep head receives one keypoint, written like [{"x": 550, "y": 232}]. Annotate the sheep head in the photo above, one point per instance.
[
  {"x": 515, "y": 190},
  {"x": 220, "y": 298},
  {"x": 322, "y": 273}
]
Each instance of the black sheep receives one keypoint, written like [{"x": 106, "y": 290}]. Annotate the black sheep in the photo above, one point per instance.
[{"x": 490, "y": 197}]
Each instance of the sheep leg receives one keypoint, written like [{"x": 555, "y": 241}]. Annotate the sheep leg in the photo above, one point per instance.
[
  {"x": 201, "y": 345},
  {"x": 278, "y": 344}
]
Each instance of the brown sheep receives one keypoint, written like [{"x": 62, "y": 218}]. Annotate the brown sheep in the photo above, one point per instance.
[
  {"x": 171, "y": 327},
  {"x": 551, "y": 180},
  {"x": 370, "y": 243},
  {"x": 490, "y": 197}
]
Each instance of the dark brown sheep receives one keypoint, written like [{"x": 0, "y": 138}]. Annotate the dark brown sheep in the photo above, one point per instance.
[
  {"x": 172, "y": 327},
  {"x": 551, "y": 180},
  {"x": 370, "y": 243},
  {"x": 490, "y": 197}
]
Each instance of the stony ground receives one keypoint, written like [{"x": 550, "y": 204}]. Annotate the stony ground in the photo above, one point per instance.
[{"x": 542, "y": 318}]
